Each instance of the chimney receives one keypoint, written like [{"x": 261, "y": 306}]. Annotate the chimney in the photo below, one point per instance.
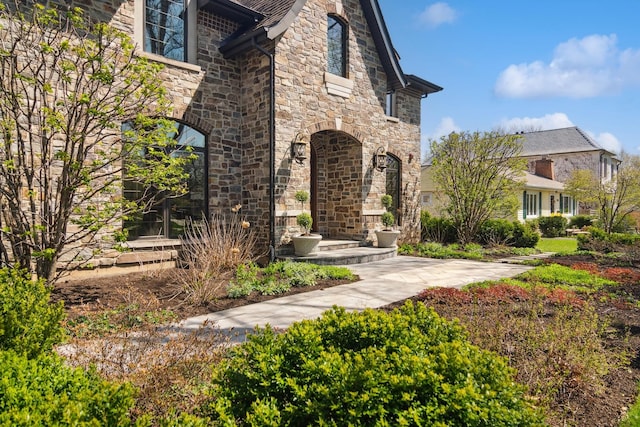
[{"x": 544, "y": 168}]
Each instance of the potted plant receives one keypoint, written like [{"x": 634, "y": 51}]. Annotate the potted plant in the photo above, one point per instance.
[
  {"x": 387, "y": 237},
  {"x": 305, "y": 244}
]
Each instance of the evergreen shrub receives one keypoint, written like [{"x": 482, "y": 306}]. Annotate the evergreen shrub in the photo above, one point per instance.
[
  {"x": 552, "y": 226},
  {"x": 407, "y": 367}
]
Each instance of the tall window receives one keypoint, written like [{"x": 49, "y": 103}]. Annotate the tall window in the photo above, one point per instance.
[
  {"x": 393, "y": 183},
  {"x": 169, "y": 216},
  {"x": 337, "y": 46},
  {"x": 165, "y": 25},
  {"x": 390, "y": 104},
  {"x": 566, "y": 204},
  {"x": 532, "y": 205}
]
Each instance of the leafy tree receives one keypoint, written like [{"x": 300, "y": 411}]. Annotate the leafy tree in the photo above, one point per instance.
[
  {"x": 479, "y": 173},
  {"x": 67, "y": 86},
  {"x": 614, "y": 199}
]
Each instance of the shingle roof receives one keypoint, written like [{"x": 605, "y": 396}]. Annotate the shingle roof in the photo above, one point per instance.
[
  {"x": 535, "y": 181},
  {"x": 273, "y": 10},
  {"x": 556, "y": 141}
]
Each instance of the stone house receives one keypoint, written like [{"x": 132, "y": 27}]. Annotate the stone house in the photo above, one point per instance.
[
  {"x": 552, "y": 156},
  {"x": 276, "y": 96}
]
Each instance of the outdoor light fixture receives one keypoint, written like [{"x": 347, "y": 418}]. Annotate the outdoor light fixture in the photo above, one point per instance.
[
  {"x": 299, "y": 147},
  {"x": 380, "y": 159}
]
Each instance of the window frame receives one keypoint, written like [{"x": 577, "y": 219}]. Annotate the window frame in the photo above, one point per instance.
[
  {"x": 342, "y": 69},
  {"x": 391, "y": 104},
  {"x": 532, "y": 201},
  {"x": 394, "y": 188},
  {"x": 167, "y": 205}
]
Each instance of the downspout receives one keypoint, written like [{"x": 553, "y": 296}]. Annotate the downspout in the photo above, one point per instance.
[{"x": 272, "y": 149}]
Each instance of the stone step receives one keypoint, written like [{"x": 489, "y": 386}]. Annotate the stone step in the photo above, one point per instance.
[{"x": 343, "y": 252}]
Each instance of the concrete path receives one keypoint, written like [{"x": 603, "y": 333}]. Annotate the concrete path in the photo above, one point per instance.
[{"x": 382, "y": 282}]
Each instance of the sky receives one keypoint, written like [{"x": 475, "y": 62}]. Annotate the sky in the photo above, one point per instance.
[{"x": 524, "y": 65}]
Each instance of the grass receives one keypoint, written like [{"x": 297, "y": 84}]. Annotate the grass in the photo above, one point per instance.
[{"x": 557, "y": 244}]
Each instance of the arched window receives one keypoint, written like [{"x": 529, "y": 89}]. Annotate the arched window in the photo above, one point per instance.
[
  {"x": 168, "y": 217},
  {"x": 337, "y": 46},
  {"x": 393, "y": 185}
]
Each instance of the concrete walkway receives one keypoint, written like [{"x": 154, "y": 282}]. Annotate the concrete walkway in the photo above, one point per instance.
[{"x": 382, "y": 282}]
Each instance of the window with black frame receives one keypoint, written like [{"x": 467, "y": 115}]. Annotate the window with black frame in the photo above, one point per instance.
[
  {"x": 165, "y": 28},
  {"x": 168, "y": 215},
  {"x": 337, "y": 46},
  {"x": 393, "y": 185}
]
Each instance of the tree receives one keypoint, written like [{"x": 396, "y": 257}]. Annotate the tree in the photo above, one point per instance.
[
  {"x": 479, "y": 173},
  {"x": 67, "y": 87},
  {"x": 614, "y": 199}
]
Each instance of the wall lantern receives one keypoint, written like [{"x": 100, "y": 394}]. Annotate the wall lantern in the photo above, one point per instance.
[
  {"x": 380, "y": 159},
  {"x": 299, "y": 147}
]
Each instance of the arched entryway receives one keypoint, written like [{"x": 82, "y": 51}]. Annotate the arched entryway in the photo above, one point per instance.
[{"x": 336, "y": 185}]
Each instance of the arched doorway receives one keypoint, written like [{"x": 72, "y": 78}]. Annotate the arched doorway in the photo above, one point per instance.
[{"x": 336, "y": 185}]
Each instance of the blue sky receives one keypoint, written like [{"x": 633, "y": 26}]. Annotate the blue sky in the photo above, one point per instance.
[{"x": 524, "y": 65}]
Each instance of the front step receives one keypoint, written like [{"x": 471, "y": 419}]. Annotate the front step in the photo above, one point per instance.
[{"x": 343, "y": 252}]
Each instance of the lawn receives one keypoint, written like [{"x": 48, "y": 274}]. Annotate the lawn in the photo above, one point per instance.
[{"x": 557, "y": 244}]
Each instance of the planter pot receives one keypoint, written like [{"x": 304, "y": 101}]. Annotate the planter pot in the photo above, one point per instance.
[
  {"x": 306, "y": 245},
  {"x": 387, "y": 238}
]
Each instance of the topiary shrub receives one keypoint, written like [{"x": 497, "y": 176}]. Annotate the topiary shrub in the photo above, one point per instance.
[
  {"x": 29, "y": 323},
  {"x": 45, "y": 392},
  {"x": 552, "y": 226},
  {"x": 525, "y": 235},
  {"x": 407, "y": 367}
]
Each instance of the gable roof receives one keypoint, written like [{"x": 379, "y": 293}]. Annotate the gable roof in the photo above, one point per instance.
[
  {"x": 540, "y": 182},
  {"x": 557, "y": 141},
  {"x": 271, "y": 18}
]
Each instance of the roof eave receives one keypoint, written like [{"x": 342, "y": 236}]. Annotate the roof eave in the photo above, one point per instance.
[
  {"x": 423, "y": 86},
  {"x": 231, "y": 10}
]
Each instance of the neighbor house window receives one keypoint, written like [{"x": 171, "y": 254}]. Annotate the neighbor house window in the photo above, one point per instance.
[
  {"x": 165, "y": 28},
  {"x": 168, "y": 216},
  {"x": 393, "y": 185},
  {"x": 426, "y": 199},
  {"x": 337, "y": 46},
  {"x": 567, "y": 205},
  {"x": 532, "y": 205}
]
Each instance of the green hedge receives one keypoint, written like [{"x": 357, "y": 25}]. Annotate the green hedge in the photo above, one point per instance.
[
  {"x": 29, "y": 323},
  {"x": 43, "y": 391},
  {"x": 408, "y": 367},
  {"x": 552, "y": 226}
]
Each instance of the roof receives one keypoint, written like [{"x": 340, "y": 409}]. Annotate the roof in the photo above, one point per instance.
[
  {"x": 539, "y": 182},
  {"x": 263, "y": 20},
  {"x": 557, "y": 141}
]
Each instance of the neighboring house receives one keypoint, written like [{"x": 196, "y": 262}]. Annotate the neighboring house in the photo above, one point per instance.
[
  {"x": 551, "y": 156},
  {"x": 277, "y": 96}
]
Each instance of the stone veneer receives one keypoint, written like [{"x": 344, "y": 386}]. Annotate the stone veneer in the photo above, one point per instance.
[{"x": 228, "y": 100}]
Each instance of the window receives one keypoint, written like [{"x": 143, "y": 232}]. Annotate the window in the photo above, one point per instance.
[
  {"x": 566, "y": 204},
  {"x": 393, "y": 182},
  {"x": 165, "y": 28},
  {"x": 532, "y": 205},
  {"x": 169, "y": 216},
  {"x": 390, "y": 104},
  {"x": 337, "y": 46},
  {"x": 426, "y": 199}
]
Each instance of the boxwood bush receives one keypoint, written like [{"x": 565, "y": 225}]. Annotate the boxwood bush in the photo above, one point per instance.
[
  {"x": 552, "y": 226},
  {"x": 29, "y": 322},
  {"x": 43, "y": 391},
  {"x": 407, "y": 367}
]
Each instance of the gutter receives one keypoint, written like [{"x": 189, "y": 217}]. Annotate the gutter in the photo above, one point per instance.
[{"x": 272, "y": 149}]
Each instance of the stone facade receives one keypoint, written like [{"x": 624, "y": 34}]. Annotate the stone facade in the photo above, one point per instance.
[{"x": 228, "y": 99}]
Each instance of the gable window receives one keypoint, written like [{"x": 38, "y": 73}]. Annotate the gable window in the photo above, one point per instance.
[
  {"x": 165, "y": 28},
  {"x": 169, "y": 215},
  {"x": 390, "y": 104},
  {"x": 337, "y": 46}
]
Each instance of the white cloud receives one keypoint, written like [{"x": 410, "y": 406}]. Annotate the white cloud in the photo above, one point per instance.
[
  {"x": 527, "y": 124},
  {"x": 437, "y": 14},
  {"x": 607, "y": 141},
  {"x": 580, "y": 68},
  {"x": 445, "y": 127}
]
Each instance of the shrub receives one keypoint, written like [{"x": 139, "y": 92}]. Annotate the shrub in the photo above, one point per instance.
[
  {"x": 580, "y": 221},
  {"x": 368, "y": 368},
  {"x": 305, "y": 221},
  {"x": 525, "y": 235},
  {"x": 439, "y": 230},
  {"x": 495, "y": 232},
  {"x": 44, "y": 391},
  {"x": 387, "y": 220},
  {"x": 29, "y": 323},
  {"x": 552, "y": 226}
]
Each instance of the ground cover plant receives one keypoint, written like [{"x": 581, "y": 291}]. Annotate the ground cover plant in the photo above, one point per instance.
[{"x": 573, "y": 344}]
